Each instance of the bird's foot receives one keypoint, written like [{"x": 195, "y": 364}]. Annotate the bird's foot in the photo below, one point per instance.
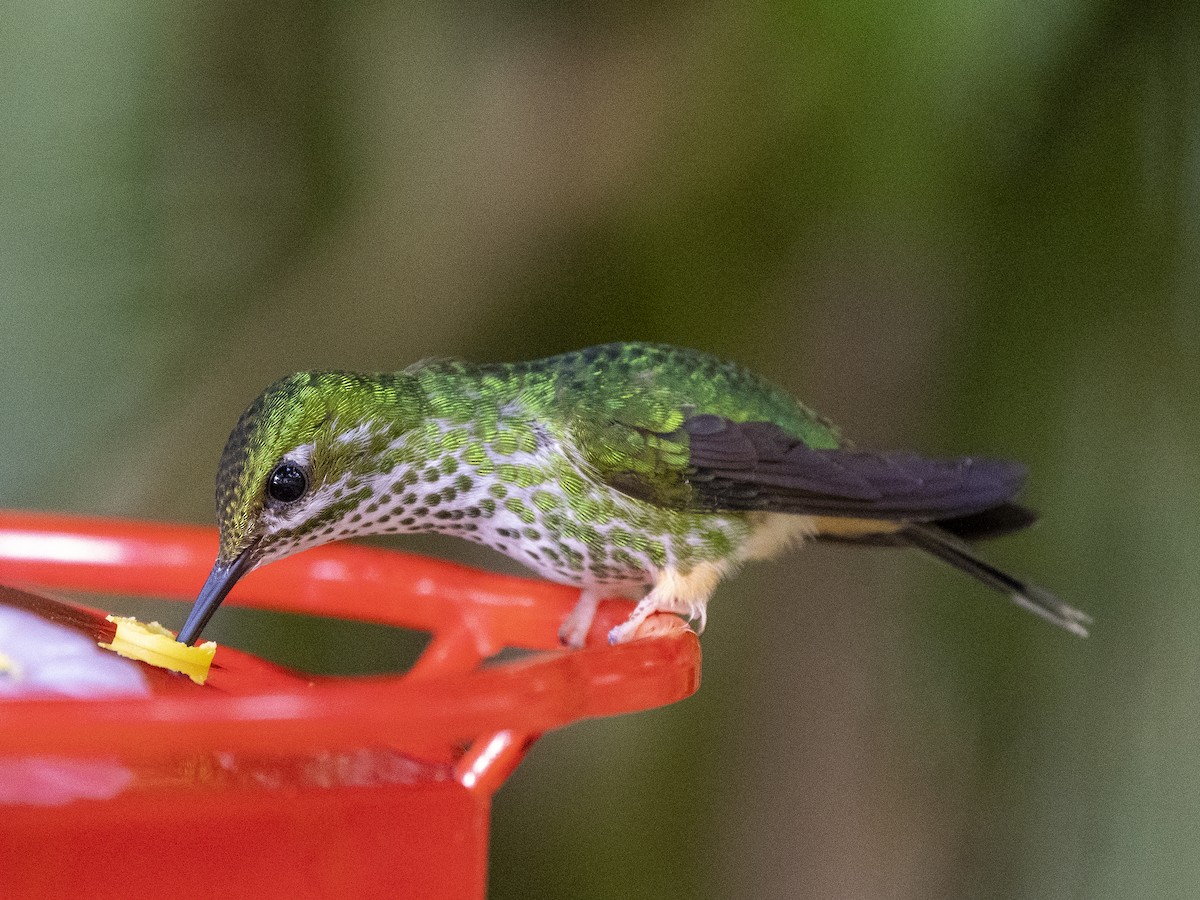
[
  {"x": 640, "y": 622},
  {"x": 574, "y": 630},
  {"x": 660, "y": 624},
  {"x": 684, "y": 595}
]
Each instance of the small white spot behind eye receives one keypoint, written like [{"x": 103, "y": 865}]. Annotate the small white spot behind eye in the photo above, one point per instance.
[
  {"x": 301, "y": 456},
  {"x": 359, "y": 434}
]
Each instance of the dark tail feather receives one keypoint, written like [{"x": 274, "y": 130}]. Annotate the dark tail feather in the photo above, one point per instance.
[
  {"x": 950, "y": 548},
  {"x": 1007, "y": 518}
]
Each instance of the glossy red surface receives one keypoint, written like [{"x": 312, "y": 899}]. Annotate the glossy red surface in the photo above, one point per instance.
[{"x": 271, "y": 783}]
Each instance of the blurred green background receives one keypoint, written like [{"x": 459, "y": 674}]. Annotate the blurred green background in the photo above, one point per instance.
[{"x": 954, "y": 226}]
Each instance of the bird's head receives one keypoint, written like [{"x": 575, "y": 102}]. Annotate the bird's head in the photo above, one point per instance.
[{"x": 295, "y": 467}]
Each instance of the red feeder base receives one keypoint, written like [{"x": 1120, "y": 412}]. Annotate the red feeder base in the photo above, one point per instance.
[{"x": 269, "y": 783}]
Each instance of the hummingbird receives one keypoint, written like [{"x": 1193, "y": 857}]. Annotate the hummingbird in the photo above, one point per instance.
[{"x": 629, "y": 469}]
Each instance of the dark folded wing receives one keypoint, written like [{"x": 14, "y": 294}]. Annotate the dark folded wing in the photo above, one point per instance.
[{"x": 759, "y": 466}]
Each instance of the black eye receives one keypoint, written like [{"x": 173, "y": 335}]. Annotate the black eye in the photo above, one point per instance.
[{"x": 287, "y": 483}]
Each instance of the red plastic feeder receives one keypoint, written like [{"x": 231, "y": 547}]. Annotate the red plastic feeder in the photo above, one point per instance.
[{"x": 270, "y": 783}]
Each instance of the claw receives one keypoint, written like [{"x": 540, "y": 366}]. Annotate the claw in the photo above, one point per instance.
[{"x": 571, "y": 635}]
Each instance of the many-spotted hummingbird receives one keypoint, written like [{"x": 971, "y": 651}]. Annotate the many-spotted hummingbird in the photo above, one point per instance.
[{"x": 627, "y": 469}]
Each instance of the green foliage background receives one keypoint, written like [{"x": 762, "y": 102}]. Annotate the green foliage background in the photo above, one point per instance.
[{"x": 949, "y": 225}]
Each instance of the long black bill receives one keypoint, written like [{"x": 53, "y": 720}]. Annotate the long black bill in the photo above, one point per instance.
[{"x": 220, "y": 580}]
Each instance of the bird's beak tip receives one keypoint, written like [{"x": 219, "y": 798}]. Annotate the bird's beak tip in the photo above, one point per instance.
[{"x": 221, "y": 579}]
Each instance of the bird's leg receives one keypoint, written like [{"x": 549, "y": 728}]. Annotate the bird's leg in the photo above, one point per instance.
[
  {"x": 574, "y": 629},
  {"x": 685, "y": 595}
]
